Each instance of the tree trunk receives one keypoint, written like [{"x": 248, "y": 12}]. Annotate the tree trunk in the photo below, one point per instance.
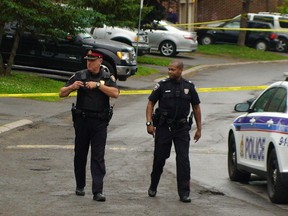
[
  {"x": 2, "y": 67},
  {"x": 18, "y": 34},
  {"x": 243, "y": 22}
]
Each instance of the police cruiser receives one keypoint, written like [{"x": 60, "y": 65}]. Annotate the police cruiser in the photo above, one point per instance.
[{"x": 258, "y": 141}]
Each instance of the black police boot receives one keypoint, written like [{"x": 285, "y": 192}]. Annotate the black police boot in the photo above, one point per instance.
[
  {"x": 152, "y": 192},
  {"x": 185, "y": 199},
  {"x": 99, "y": 197},
  {"x": 80, "y": 192}
]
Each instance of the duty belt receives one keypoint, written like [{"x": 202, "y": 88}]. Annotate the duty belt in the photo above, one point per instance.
[{"x": 89, "y": 114}]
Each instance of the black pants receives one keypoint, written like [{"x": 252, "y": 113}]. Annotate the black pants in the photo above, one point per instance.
[
  {"x": 163, "y": 143},
  {"x": 90, "y": 131}
]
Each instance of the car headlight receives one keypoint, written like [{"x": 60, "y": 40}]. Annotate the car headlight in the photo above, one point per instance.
[
  {"x": 140, "y": 39},
  {"x": 123, "y": 55},
  {"x": 129, "y": 57}
]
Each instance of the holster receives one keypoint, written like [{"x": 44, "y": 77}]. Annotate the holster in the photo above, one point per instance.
[
  {"x": 190, "y": 119},
  {"x": 73, "y": 110},
  {"x": 156, "y": 117},
  {"x": 110, "y": 113}
]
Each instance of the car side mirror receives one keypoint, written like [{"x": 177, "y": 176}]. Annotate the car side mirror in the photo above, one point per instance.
[{"x": 242, "y": 107}]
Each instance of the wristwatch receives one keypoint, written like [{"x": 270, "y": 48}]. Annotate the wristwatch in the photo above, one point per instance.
[
  {"x": 98, "y": 84},
  {"x": 148, "y": 123}
]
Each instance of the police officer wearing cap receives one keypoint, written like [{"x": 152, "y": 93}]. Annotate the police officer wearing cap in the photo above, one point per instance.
[
  {"x": 91, "y": 117},
  {"x": 170, "y": 122}
]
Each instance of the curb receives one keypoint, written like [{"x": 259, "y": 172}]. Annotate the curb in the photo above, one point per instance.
[
  {"x": 13, "y": 125},
  {"x": 195, "y": 69}
]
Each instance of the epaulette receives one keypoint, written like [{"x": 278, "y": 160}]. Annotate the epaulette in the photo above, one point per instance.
[
  {"x": 164, "y": 80},
  {"x": 81, "y": 73},
  {"x": 188, "y": 81}
]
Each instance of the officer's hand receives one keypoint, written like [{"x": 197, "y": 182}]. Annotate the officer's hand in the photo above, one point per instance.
[
  {"x": 197, "y": 135},
  {"x": 90, "y": 85},
  {"x": 151, "y": 130},
  {"x": 77, "y": 84}
]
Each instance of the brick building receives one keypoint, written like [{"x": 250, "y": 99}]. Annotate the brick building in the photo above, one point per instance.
[
  {"x": 192, "y": 11},
  {"x": 208, "y": 10}
]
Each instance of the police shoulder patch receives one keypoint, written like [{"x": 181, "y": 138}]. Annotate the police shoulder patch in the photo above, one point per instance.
[
  {"x": 113, "y": 78},
  {"x": 156, "y": 87}
]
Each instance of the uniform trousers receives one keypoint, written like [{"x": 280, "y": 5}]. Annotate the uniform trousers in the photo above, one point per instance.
[
  {"x": 163, "y": 142},
  {"x": 90, "y": 131}
]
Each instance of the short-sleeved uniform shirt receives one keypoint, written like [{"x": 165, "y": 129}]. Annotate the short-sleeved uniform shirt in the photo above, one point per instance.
[
  {"x": 174, "y": 97},
  {"x": 92, "y": 100}
]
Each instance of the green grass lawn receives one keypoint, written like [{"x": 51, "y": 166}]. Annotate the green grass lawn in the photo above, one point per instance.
[
  {"x": 23, "y": 83},
  {"x": 244, "y": 53}
]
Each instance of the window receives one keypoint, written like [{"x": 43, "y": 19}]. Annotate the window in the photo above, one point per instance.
[
  {"x": 234, "y": 24},
  {"x": 273, "y": 100},
  {"x": 268, "y": 19},
  {"x": 283, "y": 22},
  {"x": 278, "y": 101},
  {"x": 262, "y": 103}
]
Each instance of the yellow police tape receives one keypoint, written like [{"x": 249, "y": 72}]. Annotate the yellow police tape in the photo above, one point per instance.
[
  {"x": 205, "y": 25},
  {"x": 140, "y": 92}
]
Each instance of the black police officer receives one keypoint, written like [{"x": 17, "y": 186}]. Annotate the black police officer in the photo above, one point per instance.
[
  {"x": 169, "y": 124},
  {"x": 91, "y": 117}
]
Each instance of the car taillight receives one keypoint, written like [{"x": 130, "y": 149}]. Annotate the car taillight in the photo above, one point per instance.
[
  {"x": 192, "y": 36},
  {"x": 189, "y": 37},
  {"x": 273, "y": 36}
]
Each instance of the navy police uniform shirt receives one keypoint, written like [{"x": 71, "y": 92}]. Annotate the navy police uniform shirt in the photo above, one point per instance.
[
  {"x": 92, "y": 100},
  {"x": 175, "y": 97}
]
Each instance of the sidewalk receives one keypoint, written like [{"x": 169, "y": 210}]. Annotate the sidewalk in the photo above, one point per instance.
[{"x": 16, "y": 112}]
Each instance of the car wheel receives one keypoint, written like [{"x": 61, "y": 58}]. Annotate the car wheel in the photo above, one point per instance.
[
  {"x": 206, "y": 40},
  {"x": 277, "y": 189},
  {"x": 167, "y": 48},
  {"x": 282, "y": 46},
  {"x": 108, "y": 67},
  {"x": 234, "y": 173},
  {"x": 261, "y": 45}
]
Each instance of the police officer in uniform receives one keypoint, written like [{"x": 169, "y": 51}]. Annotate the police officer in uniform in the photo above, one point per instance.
[
  {"x": 171, "y": 122},
  {"x": 91, "y": 117}
]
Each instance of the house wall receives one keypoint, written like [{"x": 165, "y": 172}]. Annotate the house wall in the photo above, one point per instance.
[{"x": 210, "y": 10}]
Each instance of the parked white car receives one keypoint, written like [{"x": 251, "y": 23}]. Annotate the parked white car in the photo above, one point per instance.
[
  {"x": 169, "y": 39},
  {"x": 125, "y": 35},
  {"x": 258, "y": 141}
]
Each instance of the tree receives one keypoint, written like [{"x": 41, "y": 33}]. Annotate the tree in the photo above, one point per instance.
[
  {"x": 37, "y": 17},
  {"x": 284, "y": 7},
  {"x": 114, "y": 12},
  {"x": 57, "y": 20},
  {"x": 243, "y": 22},
  {"x": 158, "y": 11}
]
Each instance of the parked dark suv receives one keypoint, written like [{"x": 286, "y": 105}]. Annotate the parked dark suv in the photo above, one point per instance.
[
  {"x": 228, "y": 32},
  {"x": 65, "y": 56}
]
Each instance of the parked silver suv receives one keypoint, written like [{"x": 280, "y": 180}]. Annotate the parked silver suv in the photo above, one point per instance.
[{"x": 278, "y": 21}]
